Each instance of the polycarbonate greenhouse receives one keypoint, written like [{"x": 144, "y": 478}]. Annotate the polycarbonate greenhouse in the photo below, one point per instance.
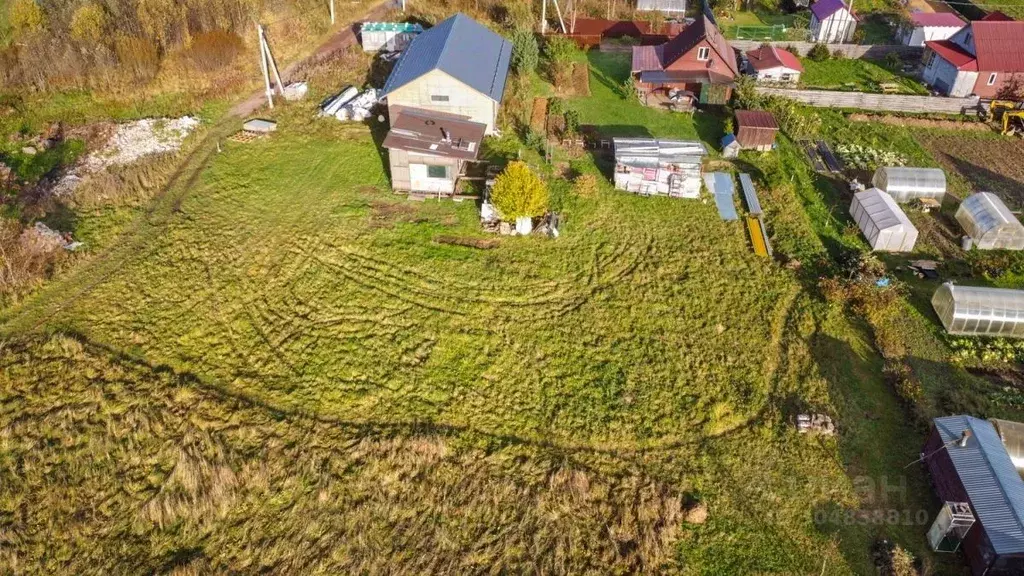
[
  {"x": 906, "y": 184},
  {"x": 990, "y": 223},
  {"x": 882, "y": 221},
  {"x": 977, "y": 311}
]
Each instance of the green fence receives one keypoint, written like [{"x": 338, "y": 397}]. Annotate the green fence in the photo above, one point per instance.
[{"x": 776, "y": 32}]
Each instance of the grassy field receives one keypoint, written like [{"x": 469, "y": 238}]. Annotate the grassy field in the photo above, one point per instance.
[
  {"x": 288, "y": 369},
  {"x": 856, "y": 76}
]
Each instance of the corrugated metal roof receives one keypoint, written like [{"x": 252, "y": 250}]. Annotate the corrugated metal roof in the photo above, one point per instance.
[
  {"x": 461, "y": 47},
  {"x": 822, "y": 9},
  {"x": 646, "y": 58},
  {"x": 937, "y": 19},
  {"x": 661, "y": 5},
  {"x": 749, "y": 194},
  {"x": 767, "y": 56},
  {"x": 704, "y": 76},
  {"x": 648, "y": 152},
  {"x": 951, "y": 52},
  {"x": 701, "y": 29},
  {"x": 995, "y": 490},
  {"x": 999, "y": 46},
  {"x": 756, "y": 119},
  {"x": 721, "y": 187},
  {"x": 428, "y": 132}
]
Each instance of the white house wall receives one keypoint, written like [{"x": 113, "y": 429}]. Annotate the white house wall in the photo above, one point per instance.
[
  {"x": 837, "y": 28},
  {"x": 959, "y": 83},
  {"x": 776, "y": 74},
  {"x": 462, "y": 99},
  {"x": 921, "y": 34}
]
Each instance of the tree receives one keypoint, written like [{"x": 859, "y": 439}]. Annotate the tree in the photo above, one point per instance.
[
  {"x": 525, "y": 51},
  {"x": 89, "y": 23},
  {"x": 26, "y": 17},
  {"x": 1012, "y": 89},
  {"x": 518, "y": 192},
  {"x": 819, "y": 53}
]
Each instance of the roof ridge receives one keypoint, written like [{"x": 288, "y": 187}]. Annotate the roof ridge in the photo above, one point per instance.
[{"x": 969, "y": 420}]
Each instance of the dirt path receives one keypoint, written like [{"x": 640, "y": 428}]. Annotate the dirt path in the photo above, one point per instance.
[{"x": 336, "y": 43}]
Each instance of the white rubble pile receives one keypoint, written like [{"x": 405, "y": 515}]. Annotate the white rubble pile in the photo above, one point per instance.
[
  {"x": 42, "y": 238},
  {"x": 129, "y": 142},
  {"x": 350, "y": 104}
]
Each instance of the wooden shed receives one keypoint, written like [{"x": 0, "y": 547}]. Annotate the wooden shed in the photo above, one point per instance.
[{"x": 756, "y": 129}]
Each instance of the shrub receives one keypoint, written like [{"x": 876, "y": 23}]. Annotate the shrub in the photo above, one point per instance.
[
  {"x": 518, "y": 192},
  {"x": 525, "y": 51},
  {"x": 556, "y": 106},
  {"x": 214, "y": 50},
  {"x": 89, "y": 24},
  {"x": 585, "y": 186},
  {"x": 534, "y": 140},
  {"x": 25, "y": 16},
  {"x": 819, "y": 53},
  {"x": 137, "y": 56},
  {"x": 572, "y": 122},
  {"x": 859, "y": 35},
  {"x": 838, "y": 54},
  {"x": 560, "y": 52},
  {"x": 892, "y": 60},
  {"x": 728, "y": 125}
]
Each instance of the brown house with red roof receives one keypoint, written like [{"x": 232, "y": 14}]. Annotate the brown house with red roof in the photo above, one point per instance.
[
  {"x": 698, "y": 60},
  {"x": 980, "y": 59}
]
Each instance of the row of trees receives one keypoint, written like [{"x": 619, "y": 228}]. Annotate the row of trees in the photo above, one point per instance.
[{"x": 87, "y": 44}]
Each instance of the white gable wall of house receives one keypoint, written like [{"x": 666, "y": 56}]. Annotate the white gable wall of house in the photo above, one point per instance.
[
  {"x": 837, "y": 28},
  {"x": 438, "y": 91},
  {"x": 964, "y": 38},
  {"x": 917, "y": 36},
  {"x": 947, "y": 79}
]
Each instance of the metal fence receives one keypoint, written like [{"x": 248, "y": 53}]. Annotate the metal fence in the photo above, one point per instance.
[
  {"x": 776, "y": 32},
  {"x": 881, "y": 102}
]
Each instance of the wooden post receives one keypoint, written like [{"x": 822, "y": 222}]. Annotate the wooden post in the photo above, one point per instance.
[
  {"x": 332, "y": 12},
  {"x": 560, "y": 21},
  {"x": 263, "y": 66},
  {"x": 543, "y": 17}
]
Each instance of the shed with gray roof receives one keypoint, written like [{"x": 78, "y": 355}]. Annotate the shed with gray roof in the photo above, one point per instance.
[{"x": 979, "y": 471}]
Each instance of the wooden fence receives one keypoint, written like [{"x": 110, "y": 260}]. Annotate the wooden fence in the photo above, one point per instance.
[
  {"x": 869, "y": 51},
  {"x": 882, "y": 102}
]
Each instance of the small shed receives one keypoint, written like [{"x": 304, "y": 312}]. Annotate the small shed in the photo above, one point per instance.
[
  {"x": 882, "y": 221},
  {"x": 730, "y": 146},
  {"x": 649, "y": 166},
  {"x": 387, "y": 36},
  {"x": 968, "y": 463},
  {"x": 906, "y": 184},
  {"x": 990, "y": 223},
  {"x": 980, "y": 311},
  {"x": 756, "y": 129}
]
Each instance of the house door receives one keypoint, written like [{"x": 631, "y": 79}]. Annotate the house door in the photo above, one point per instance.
[
  {"x": 675, "y": 184},
  {"x": 941, "y": 85}
]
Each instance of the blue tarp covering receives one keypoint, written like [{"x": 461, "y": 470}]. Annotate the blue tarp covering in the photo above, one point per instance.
[{"x": 721, "y": 187}]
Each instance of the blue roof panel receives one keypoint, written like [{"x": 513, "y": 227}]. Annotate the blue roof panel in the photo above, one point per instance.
[
  {"x": 462, "y": 48},
  {"x": 992, "y": 483}
]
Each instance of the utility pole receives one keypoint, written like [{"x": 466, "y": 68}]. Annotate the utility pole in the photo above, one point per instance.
[
  {"x": 543, "y": 17},
  {"x": 263, "y": 66},
  {"x": 560, "y": 20},
  {"x": 332, "y": 12}
]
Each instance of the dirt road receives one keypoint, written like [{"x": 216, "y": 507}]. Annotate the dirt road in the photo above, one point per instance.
[{"x": 338, "y": 42}]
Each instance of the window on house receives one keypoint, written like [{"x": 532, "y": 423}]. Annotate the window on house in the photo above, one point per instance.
[
  {"x": 438, "y": 98},
  {"x": 437, "y": 171},
  {"x": 703, "y": 52},
  {"x": 991, "y": 78}
]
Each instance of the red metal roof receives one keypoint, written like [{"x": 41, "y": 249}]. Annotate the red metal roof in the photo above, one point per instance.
[
  {"x": 767, "y": 56},
  {"x": 954, "y": 54},
  {"x": 756, "y": 119},
  {"x": 943, "y": 19},
  {"x": 999, "y": 45},
  {"x": 646, "y": 58},
  {"x": 701, "y": 29},
  {"x": 996, "y": 16}
]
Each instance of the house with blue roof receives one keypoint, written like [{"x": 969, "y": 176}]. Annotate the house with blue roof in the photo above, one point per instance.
[
  {"x": 832, "y": 22},
  {"x": 458, "y": 67}
]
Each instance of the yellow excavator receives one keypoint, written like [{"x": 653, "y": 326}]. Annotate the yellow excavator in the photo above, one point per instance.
[{"x": 1008, "y": 124}]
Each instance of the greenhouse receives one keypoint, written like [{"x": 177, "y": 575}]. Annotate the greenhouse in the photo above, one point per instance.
[
  {"x": 885, "y": 226},
  {"x": 976, "y": 311},
  {"x": 990, "y": 223},
  {"x": 906, "y": 184}
]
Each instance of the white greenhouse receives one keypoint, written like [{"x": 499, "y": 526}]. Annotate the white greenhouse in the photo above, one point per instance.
[
  {"x": 977, "y": 311},
  {"x": 906, "y": 184},
  {"x": 885, "y": 226},
  {"x": 990, "y": 223}
]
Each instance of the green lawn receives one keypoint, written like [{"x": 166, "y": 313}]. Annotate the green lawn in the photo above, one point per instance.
[
  {"x": 855, "y": 76},
  {"x": 283, "y": 367}
]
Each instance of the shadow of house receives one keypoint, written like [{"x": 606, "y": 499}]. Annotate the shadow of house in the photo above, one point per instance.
[{"x": 983, "y": 179}]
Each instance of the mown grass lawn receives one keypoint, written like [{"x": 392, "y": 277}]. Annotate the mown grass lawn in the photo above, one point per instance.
[
  {"x": 855, "y": 75},
  {"x": 286, "y": 369}
]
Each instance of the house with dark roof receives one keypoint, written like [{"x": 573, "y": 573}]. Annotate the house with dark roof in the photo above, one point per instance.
[
  {"x": 832, "y": 22},
  {"x": 981, "y": 59},
  {"x": 771, "y": 64},
  {"x": 926, "y": 26},
  {"x": 969, "y": 464},
  {"x": 428, "y": 150},
  {"x": 457, "y": 67},
  {"x": 698, "y": 60}
]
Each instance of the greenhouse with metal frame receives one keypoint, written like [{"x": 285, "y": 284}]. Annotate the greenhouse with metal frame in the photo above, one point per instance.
[
  {"x": 883, "y": 223},
  {"x": 990, "y": 223},
  {"x": 906, "y": 184},
  {"x": 980, "y": 311}
]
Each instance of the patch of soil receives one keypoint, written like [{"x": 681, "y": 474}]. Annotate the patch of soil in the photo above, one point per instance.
[
  {"x": 985, "y": 163},
  {"x": 386, "y": 214},
  {"x": 920, "y": 122},
  {"x": 479, "y": 243}
]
